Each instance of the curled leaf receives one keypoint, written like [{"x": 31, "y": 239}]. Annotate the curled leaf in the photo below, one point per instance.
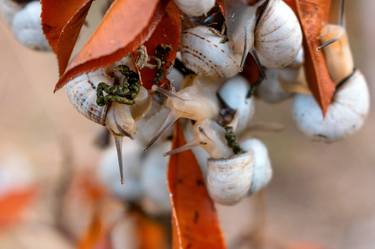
[
  {"x": 166, "y": 35},
  {"x": 313, "y": 15},
  {"x": 194, "y": 218},
  {"x": 62, "y": 21},
  {"x": 127, "y": 25}
]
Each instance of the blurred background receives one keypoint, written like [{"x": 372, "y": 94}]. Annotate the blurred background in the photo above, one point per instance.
[{"x": 323, "y": 193}]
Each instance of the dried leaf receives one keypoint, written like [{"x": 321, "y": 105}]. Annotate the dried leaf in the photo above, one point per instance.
[
  {"x": 150, "y": 234},
  {"x": 127, "y": 25},
  {"x": 194, "y": 217},
  {"x": 96, "y": 236},
  {"x": 13, "y": 204},
  {"x": 62, "y": 21},
  {"x": 167, "y": 33},
  {"x": 313, "y": 15}
]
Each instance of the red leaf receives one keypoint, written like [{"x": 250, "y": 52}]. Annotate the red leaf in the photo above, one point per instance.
[
  {"x": 167, "y": 32},
  {"x": 62, "y": 22},
  {"x": 251, "y": 70},
  {"x": 313, "y": 15},
  {"x": 127, "y": 25},
  {"x": 150, "y": 234},
  {"x": 194, "y": 217},
  {"x": 12, "y": 205}
]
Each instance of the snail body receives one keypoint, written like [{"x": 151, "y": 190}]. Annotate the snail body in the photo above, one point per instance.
[
  {"x": 206, "y": 52},
  {"x": 345, "y": 115},
  {"x": 27, "y": 27},
  {"x": 195, "y": 7},
  {"x": 278, "y": 35}
]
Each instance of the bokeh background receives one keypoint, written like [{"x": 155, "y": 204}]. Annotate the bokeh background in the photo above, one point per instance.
[{"x": 324, "y": 193}]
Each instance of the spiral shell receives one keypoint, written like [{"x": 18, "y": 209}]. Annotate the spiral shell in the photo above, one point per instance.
[
  {"x": 206, "y": 52},
  {"x": 345, "y": 115},
  {"x": 195, "y": 7},
  {"x": 81, "y": 92},
  {"x": 229, "y": 180},
  {"x": 278, "y": 35},
  {"x": 27, "y": 27}
]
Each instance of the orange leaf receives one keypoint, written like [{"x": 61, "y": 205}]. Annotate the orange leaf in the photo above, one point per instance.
[
  {"x": 151, "y": 235},
  {"x": 96, "y": 236},
  {"x": 167, "y": 32},
  {"x": 194, "y": 217},
  {"x": 13, "y": 204},
  {"x": 313, "y": 15},
  {"x": 127, "y": 25},
  {"x": 62, "y": 22}
]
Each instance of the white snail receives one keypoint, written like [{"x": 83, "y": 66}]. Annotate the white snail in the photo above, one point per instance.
[
  {"x": 351, "y": 102},
  {"x": 131, "y": 154},
  {"x": 27, "y": 27},
  {"x": 8, "y": 8},
  {"x": 119, "y": 119},
  {"x": 207, "y": 53},
  {"x": 262, "y": 172},
  {"x": 271, "y": 89},
  {"x": 176, "y": 78},
  {"x": 345, "y": 115},
  {"x": 195, "y": 7},
  {"x": 197, "y": 101},
  {"x": 278, "y": 35},
  {"x": 154, "y": 179},
  {"x": 228, "y": 176},
  {"x": 234, "y": 93}
]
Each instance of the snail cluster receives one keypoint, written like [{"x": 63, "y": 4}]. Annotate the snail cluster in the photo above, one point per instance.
[
  {"x": 214, "y": 102},
  {"x": 23, "y": 17}
]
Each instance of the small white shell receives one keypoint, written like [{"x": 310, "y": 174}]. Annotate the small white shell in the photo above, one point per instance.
[
  {"x": 8, "y": 9},
  {"x": 345, "y": 115},
  {"x": 27, "y": 27},
  {"x": 204, "y": 52},
  {"x": 81, "y": 92},
  {"x": 176, "y": 78},
  {"x": 229, "y": 180},
  {"x": 195, "y": 7},
  {"x": 234, "y": 93},
  {"x": 132, "y": 189},
  {"x": 278, "y": 35},
  {"x": 262, "y": 172},
  {"x": 154, "y": 178},
  {"x": 271, "y": 90}
]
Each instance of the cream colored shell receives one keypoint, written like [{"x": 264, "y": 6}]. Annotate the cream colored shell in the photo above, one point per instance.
[
  {"x": 206, "y": 52},
  {"x": 278, "y": 35},
  {"x": 345, "y": 116},
  {"x": 8, "y": 8},
  {"x": 229, "y": 180},
  {"x": 195, "y": 7},
  {"x": 27, "y": 27}
]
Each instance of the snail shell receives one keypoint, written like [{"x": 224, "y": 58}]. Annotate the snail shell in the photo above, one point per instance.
[
  {"x": 278, "y": 35},
  {"x": 8, "y": 9},
  {"x": 195, "y": 7},
  {"x": 133, "y": 190},
  {"x": 234, "y": 93},
  {"x": 154, "y": 179},
  {"x": 229, "y": 180},
  {"x": 206, "y": 52},
  {"x": 27, "y": 27},
  {"x": 81, "y": 92},
  {"x": 262, "y": 172},
  {"x": 345, "y": 115}
]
